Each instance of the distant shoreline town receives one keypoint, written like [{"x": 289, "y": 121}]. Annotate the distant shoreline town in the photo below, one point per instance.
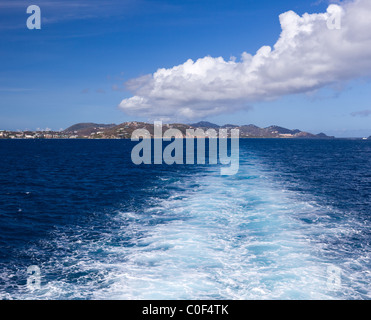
[{"x": 125, "y": 130}]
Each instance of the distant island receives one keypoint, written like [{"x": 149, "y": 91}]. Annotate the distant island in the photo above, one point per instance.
[{"x": 124, "y": 131}]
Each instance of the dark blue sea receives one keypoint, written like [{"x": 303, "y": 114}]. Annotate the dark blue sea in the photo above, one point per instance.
[{"x": 99, "y": 227}]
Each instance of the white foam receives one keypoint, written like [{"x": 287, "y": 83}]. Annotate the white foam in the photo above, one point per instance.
[{"x": 234, "y": 238}]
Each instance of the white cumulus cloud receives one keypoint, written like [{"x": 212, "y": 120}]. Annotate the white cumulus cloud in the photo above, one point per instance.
[{"x": 308, "y": 55}]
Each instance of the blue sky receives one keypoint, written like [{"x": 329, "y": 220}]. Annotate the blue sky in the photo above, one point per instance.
[{"x": 75, "y": 68}]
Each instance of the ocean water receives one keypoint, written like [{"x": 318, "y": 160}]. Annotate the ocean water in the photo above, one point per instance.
[{"x": 100, "y": 227}]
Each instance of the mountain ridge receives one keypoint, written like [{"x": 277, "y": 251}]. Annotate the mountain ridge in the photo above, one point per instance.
[{"x": 124, "y": 130}]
